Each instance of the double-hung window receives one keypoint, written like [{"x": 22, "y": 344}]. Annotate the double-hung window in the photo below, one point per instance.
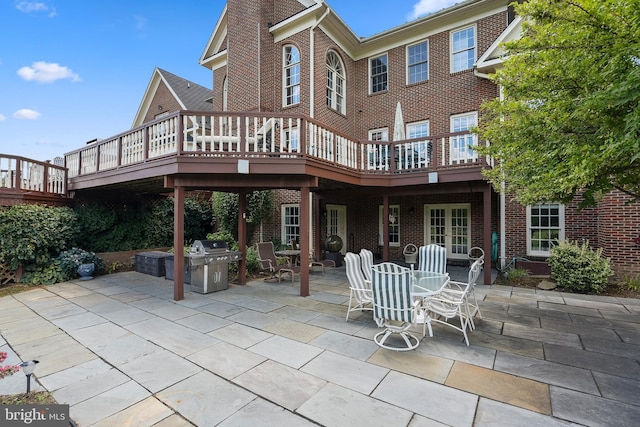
[
  {"x": 422, "y": 148},
  {"x": 378, "y": 74},
  {"x": 461, "y": 146},
  {"x": 335, "y": 82},
  {"x": 463, "y": 49},
  {"x": 290, "y": 222},
  {"x": 291, "y": 75},
  {"x": 393, "y": 233},
  {"x": 545, "y": 227},
  {"x": 418, "y": 63}
]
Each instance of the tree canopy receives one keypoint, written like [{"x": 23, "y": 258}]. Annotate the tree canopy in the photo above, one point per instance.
[{"x": 568, "y": 122}]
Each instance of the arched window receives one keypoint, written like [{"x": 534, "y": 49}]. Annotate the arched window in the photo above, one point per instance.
[
  {"x": 291, "y": 76},
  {"x": 335, "y": 82}
]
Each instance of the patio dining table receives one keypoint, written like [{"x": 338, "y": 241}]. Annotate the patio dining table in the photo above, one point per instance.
[
  {"x": 425, "y": 285},
  {"x": 292, "y": 254}
]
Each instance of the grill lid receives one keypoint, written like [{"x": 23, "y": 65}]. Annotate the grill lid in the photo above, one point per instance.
[{"x": 209, "y": 246}]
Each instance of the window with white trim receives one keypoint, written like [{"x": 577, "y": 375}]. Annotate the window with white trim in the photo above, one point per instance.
[
  {"x": 463, "y": 49},
  {"x": 461, "y": 145},
  {"x": 545, "y": 227},
  {"x": 378, "y": 74},
  {"x": 418, "y": 62},
  {"x": 420, "y": 130},
  {"x": 378, "y": 154},
  {"x": 335, "y": 82},
  {"x": 291, "y": 139},
  {"x": 291, "y": 75},
  {"x": 290, "y": 222},
  {"x": 394, "y": 225}
]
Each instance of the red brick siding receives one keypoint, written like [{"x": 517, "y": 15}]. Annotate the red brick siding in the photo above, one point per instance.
[{"x": 162, "y": 97}]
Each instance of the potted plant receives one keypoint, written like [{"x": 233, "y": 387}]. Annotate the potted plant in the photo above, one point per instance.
[
  {"x": 78, "y": 262},
  {"x": 333, "y": 245}
]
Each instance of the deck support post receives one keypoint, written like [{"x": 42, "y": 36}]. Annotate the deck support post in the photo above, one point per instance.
[{"x": 178, "y": 242}]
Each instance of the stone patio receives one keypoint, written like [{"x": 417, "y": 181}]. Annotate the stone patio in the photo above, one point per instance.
[{"x": 119, "y": 351}]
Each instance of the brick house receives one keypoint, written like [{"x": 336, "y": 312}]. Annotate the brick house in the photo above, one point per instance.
[
  {"x": 365, "y": 138},
  {"x": 298, "y": 56}
]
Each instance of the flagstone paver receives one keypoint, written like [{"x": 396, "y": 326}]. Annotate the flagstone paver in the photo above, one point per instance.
[
  {"x": 226, "y": 360},
  {"x": 436, "y": 401},
  {"x": 418, "y": 364},
  {"x": 285, "y": 386},
  {"x": 335, "y": 406},
  {"x": 205, "y": 399},
  {"x": 525, "y": 393}
]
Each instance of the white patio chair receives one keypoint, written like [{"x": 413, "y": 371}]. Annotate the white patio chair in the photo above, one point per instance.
[
  {"x": 360, "y": 297},
  {"x": 432, "y": 258},
  {"x": 366, "y": 260},
  {"x": 471, "y": 301},
  {"x": 450, "y": 303},
  {"x": 393, "y": 306}
]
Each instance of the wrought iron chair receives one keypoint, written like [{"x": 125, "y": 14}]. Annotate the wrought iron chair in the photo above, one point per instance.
[
  {"x": 432, "y": 258},
  {"x": 393, "y": 306},
  {"x": 360, "y": 297},
  {"x": 271, "y": 263}
]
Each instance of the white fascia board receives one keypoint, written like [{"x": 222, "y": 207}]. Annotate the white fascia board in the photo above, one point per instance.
[
  {"x": 216, "y": 61},
  {"x": 296, "y": 23},
  {"x": 217, "y": 37},
  {"x": 423, "y": 28},
  {"x": 152, "y": 87},
  {"x": 494, "y": 56}
]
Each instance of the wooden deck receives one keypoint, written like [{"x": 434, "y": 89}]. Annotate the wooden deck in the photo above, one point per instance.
[
  {"x": 24, "y": 180},
  {"x": 230, "y": 150}
]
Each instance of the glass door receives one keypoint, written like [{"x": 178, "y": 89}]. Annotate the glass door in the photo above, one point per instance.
[{"x": 448, "y": 226}]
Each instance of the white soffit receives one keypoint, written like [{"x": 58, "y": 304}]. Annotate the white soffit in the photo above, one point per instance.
[
  {"x": 493, "y": 57},
  {"x": 218, "y": 36}
]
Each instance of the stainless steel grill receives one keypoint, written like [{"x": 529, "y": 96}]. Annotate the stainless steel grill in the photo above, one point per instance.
[{"x": 210, "y": 261}]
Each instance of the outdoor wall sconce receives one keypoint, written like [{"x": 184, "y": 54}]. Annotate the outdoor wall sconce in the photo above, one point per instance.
[
  {"x": 28, "y": 367},
  {"x": 637, "y": 240},
  {"x": 412, "y": 210},
  {"x": 159, "y": 107}
]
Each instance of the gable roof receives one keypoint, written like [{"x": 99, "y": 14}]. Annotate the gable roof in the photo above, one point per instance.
[
  {"x": 189, "y": 95},
  {"x": 318, "y": 13},
  {"x": 492, "y": 59}
]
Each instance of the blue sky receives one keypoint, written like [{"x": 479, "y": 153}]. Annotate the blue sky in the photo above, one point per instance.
[{"x": 75, "y": 70}]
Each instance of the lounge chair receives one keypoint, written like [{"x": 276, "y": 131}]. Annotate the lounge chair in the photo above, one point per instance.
[{"x": 360, "y": 297}]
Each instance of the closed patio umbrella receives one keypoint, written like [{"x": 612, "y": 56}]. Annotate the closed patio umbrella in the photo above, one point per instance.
[{"x": 398, "y": 125}]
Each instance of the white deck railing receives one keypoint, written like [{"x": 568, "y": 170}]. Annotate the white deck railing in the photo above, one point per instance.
[
  {"x": 197, "y": 133},
  {"x": 20, "y": 174}
]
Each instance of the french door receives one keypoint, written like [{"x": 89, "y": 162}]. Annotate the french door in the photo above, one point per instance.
[
  {"x": 337, "y": 223},
  {"x": 449, "y": 226}
]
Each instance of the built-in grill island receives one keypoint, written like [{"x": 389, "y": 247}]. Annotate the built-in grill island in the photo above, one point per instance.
[{"x": 209, "y": 260}]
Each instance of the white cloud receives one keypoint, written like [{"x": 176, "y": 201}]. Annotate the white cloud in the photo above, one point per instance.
[
  {"x": 425, "y": 7},
  {"x": 26, "y": 114},
  {"x": 2, "y": 118},
  {"x": 35, "y": 6},
  {"x": 47, "y": 72}
]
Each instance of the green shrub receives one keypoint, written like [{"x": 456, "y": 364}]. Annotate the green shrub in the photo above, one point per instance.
[
  {"x": 44, "y": 275},
  {"x": 632, "y": 283},
  {"x": 579, "y": 268},
  {"x": 72, "y": 259},
  {"x": 30, "y": 235},
  {"x": 515, "y": 273}
]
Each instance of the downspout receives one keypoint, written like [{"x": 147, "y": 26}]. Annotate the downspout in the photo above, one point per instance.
[
  {"x": 503, "y": 233},
  {"x": 259, "y": 71},
  {"x": 312, "y": 99},
  {"x": 312, "y": 63}
]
